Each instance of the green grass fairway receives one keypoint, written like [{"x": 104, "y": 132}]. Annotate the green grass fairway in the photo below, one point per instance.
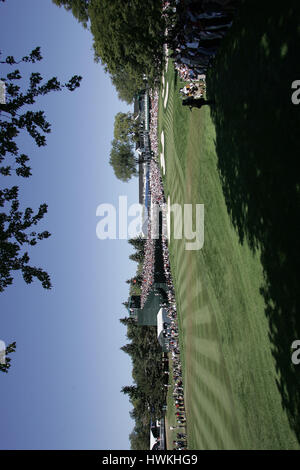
[{"x": 232, "y": 397}]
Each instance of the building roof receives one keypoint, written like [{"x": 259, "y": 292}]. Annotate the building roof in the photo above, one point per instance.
[
  {"x": 148, "y": 314},
  {"x": 161, "y": 319}
]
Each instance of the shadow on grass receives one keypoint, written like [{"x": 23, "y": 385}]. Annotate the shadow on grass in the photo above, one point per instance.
[{"x": 258, "y": 148}]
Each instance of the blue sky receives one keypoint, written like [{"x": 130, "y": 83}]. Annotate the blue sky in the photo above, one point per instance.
[{"x": 63, "y": 388}]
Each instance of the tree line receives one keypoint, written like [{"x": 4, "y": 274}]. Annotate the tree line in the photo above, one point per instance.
[
  {"x": 147, "y": 395},
  {"x": 128, "y": 39}
]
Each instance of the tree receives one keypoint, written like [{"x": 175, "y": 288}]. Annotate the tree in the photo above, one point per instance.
[
  {"x": 138, "y": 256},
  {"x": 15, "y": 117},
  {"x": 128, "y": 38},
  {"x": 122, "y": 160},
  {"x": 122, "y": 157},
  {"x": 14, "y": 235},
  {"x": 12, "y": 120},
  {"x": 132, "y": 391},
  {"x": 79, "y": 9},
  {"x": 139, "y": 440},
  {"x": 147, "y": 395},
  {"x": 125, "y": 127},
  {"x": 129, "y": 349},
  {"x": 127, "y": 321},
  {"x": 128, "y": 34},
  {"x": 5, "y": 361},
  {"x": 138, "y": 243},
  {"x": 127, "y": 83},
  {"x": 137, "y": 280}
]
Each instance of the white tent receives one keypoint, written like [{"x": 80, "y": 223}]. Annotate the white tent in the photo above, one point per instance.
[
  {"x": 161, "y": 319},
  {"x": 152, "y": 440}
]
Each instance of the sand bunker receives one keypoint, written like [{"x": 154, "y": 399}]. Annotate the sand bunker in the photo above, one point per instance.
[
  {"x": 163, "y": 86},
  {"x": 166, "y": 97},
  {"x": 162, "y": 155}
]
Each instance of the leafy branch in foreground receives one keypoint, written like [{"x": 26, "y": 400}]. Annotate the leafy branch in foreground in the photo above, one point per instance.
[
  {"x": 4, "y": 359},
  {"x": 14, "y": 235},
  {"x": 13, "y": 118}
]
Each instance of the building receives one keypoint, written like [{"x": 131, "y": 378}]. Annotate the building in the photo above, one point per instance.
[{"x": 147, "y": 316}]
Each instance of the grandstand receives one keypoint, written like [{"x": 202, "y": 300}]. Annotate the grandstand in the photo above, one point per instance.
[{"x": 144, "y": 153}]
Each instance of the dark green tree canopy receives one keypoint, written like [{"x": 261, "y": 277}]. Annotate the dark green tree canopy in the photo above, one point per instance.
[
  {"x": 147, "y": 394},
  {"x": 128, "y": 34},
  {"x": 138, "y": 243},
  {"x": 122, "y": 156},
  {"x": 79, "y": 8},
  {"x": 127, "y": 320},
  {"x": 128, "y": 39},
  {"x": 125, "y": 127},
  {"x": 122, "y": 160},
  {"x": 127, "y": 82}
]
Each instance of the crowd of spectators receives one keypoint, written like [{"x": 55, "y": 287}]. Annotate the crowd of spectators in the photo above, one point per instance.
[
  {"x": 172, "y": 333},
  {"x": 156, "y": 194},
  {"x": 148, "y": 267},
  {"x": 153, "y": 95},
  {"x": 195, "y": 29},
  {"x": 170, "y": 329}
]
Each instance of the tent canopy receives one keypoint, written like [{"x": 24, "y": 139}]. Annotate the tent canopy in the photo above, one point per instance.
[
  {"x": 161, "y": 319},
  {"x": 152, "y": 440}
]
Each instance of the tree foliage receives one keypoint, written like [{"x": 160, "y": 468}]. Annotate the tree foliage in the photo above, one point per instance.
[
  {"x": 138, "y": 256},
  {"x": 5, "y": 361},
  {"x": 127, "y": 83},
  {"x": 14, "y": 226},
  {"x": 122, "y": 159},
  {"x": 138, "y": 242},
  {"x": 128, "y": 34},
  {"x": 15, "y": 117},
  {"x": 79, "y": 9},
  {"x": 125, "y": 127},
  {"x": 147, "y": 394},
  {"x": 128, "y": 39},
  {"x": 127, "y": 320},
  {"x": 135, "y": 281}
]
